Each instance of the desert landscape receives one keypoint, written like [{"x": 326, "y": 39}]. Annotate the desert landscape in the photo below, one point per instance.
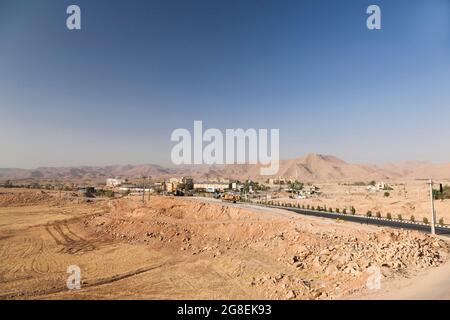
[
  {"x": 224, "y": 151},
  {"x": 407, "y": 199},
  {"x": 197, "y": 248}
]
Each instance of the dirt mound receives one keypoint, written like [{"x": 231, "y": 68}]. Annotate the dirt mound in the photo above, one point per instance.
[
  {"x": 397, "y": 250},
  {"x": 284, "y": 257},
  {"x": 18, "y": 199},
  {"x": 180, "y": 209},
  {"x": 180, "y": 224}
]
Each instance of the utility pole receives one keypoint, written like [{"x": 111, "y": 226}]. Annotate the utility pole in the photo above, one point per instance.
[
  {"x": 148, "y": 199},
  {"x": 433, "y": 211},
  {"x": 143, "y": 190}
]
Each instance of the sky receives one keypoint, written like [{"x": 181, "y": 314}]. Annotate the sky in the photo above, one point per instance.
[{"x": 113, "y": 92}]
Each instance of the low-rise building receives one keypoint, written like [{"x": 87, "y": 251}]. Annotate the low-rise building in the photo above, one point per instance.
[
  {"x": 115, "y": 182},
  {"x": 171, "y": 186},
  {"x": 211, "y": 186},
  {"x": 175, "y": 183},
  {"x": 382, "y": 186}
]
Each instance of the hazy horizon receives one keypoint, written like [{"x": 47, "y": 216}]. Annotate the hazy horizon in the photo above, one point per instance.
[
  {"x": 113, "y": 92},
  {"x": 170, "y": 165}
]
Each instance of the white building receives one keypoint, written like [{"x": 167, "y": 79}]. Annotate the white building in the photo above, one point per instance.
[
  {"x": 212, "y": 186},
  {"x": 382, "y": 186},
  {"x": 113, "y": 182}
]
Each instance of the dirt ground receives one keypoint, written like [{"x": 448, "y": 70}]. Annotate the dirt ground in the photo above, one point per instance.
[
  {"x": 180, "y": 248},
  {"x": 407, "y": 198}
]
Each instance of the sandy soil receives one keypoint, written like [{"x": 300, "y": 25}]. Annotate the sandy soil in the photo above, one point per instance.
[
  {"x": 407, "y": 198},
  {"x": 177, "y": 248}
]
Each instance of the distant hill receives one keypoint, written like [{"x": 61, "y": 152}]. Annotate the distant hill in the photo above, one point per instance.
[{"x": 313, "y": 167}]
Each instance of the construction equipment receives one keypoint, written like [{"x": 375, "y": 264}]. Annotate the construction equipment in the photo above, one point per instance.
[{"x": 230, "y": 197}]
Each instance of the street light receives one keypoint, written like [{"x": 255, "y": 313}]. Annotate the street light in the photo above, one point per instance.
[{"x": 433, "y": 211}]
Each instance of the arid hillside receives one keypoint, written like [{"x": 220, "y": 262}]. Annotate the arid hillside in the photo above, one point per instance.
[{"x": 313, "y": 167}]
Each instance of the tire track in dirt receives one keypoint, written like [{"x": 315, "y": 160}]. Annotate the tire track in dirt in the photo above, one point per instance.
[
  {"x": 67, "y": 239},
  {"x": 84, "y": 284}
]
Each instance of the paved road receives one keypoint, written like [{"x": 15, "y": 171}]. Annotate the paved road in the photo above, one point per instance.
[{"x": 370, "y": 220}]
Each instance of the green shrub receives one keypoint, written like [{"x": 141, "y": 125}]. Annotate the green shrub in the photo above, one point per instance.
[
  {"x": 109, "y": 193},
  {"x": 445, "y": 193}
]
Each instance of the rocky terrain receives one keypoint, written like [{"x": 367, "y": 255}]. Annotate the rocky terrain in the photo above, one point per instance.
[
  {"x": 304, "y": 250},
  {"x": 181, "y": 248}
]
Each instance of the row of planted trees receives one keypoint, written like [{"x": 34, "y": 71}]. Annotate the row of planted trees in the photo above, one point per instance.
[
  {"x": 324, "y": 208},
  {"x": 351, "y": 211},
  {"x": 400, "y": 217},
  {"x": 36, "y": 185}
]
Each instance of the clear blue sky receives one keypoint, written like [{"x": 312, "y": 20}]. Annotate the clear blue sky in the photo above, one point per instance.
[{"x": 113, "y": 92}]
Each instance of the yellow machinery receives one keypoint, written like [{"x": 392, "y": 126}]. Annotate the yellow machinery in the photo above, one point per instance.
[{"x": 230, "y": 197}]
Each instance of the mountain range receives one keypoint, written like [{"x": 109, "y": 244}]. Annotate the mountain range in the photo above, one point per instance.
[{"x": 313, "y": 167}]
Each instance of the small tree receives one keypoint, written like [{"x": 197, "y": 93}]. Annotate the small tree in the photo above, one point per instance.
[
  {"x": 389, "y": 216},
  {"x": 399, "y": 217},
  {"x": 425, "y": 220},
  {"x": 353, "y": 210},
  {"x": 369, "y": 213},
  {"x": 8, "y": 184},
  {"x": 387, "y": 194},
  {"x": 109, "y": 193},
  {"x": 330, "y": 210},
  {"x": 441, "y": 221},
  {"x": 344, "y": 211},
  {"x": 338, "y": 210},
  {"x": 308, "y": 206},
  {"x": 378, "y": 214},
  {"x": 413, "y": 219}
]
